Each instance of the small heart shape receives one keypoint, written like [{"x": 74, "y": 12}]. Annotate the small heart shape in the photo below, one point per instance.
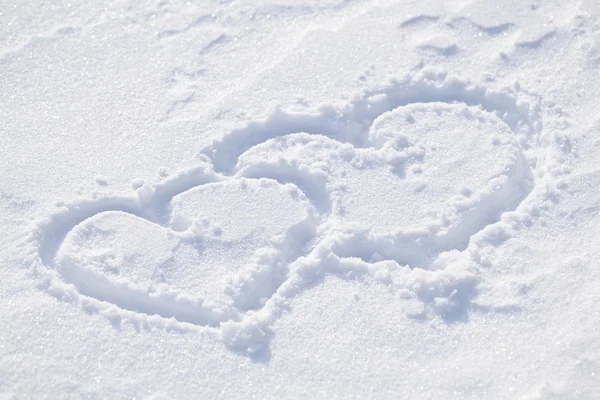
[{"x": 216, "y": 233}]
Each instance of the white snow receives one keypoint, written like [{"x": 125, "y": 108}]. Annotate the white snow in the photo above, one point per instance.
[{"x": 300, "y": 199}]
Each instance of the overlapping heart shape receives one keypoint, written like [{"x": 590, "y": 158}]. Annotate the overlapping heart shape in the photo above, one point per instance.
[{"x": 393, "y": 185}]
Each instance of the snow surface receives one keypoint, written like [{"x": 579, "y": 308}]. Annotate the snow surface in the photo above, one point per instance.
[{"x": 300, "y": 199}]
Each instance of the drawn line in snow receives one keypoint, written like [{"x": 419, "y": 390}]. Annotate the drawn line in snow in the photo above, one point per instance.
[
  {"x": 350, "y": 124},
  {"x": 322, "y": 250}
]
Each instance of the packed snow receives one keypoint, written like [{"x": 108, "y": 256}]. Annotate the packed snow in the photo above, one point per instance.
[{"x": 300, "y": 199}]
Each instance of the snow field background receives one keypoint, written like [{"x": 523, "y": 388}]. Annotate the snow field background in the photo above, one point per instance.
[{"x": 309, "y": 199}]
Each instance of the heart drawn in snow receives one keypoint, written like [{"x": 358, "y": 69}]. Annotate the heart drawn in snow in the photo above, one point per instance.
[
  {"x": 198, "y": 268},
  {"x": 393, "y": 185}
]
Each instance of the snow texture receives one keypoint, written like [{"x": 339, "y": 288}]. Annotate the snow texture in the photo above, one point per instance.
[{"x": 300, "y": 199}]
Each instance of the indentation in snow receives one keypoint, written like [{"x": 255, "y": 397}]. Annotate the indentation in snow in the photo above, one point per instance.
[{"x": 280, "y": 203}]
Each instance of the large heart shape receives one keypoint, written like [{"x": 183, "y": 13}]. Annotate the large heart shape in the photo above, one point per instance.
[{"x": 419, "y": 191}]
